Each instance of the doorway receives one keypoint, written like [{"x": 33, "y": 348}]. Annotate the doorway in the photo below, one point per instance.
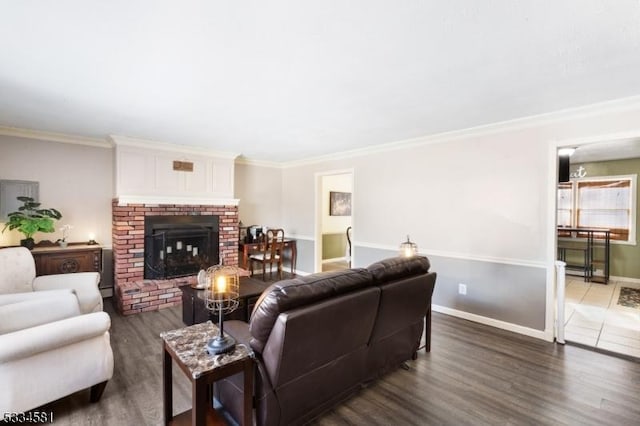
[
  {"x": 334, "y": 224},
  {"x": 598, "y": 300}
]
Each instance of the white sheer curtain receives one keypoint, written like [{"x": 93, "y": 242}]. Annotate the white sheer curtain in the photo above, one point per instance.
[{"x": 605, "y": 204}]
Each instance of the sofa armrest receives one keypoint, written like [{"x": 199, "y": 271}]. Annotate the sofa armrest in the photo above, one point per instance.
[
  {"x": 54, "y": 335},
  {"x": 77, "y": 281},
  {"x": 9, "y": 298},
  {"x": 31, "y": 313}
]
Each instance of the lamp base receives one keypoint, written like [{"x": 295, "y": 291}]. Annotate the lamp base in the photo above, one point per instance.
[{"x": 221, "y": 345}]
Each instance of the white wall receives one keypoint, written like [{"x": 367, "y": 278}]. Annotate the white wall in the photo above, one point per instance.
[
  {"x": 259, "y": 190},
  {"x": 75, "y": 179},
  {"x": 334, "y": 183},
  {"x": 480, "y": 197},
  {"x": 484, "y": 194}
]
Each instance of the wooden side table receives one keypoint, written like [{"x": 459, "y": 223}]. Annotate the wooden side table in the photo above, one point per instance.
[{"x": 187, "y": 347}]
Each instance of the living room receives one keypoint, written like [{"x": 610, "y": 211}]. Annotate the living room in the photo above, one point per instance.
[{"x": 477, "y": 194}]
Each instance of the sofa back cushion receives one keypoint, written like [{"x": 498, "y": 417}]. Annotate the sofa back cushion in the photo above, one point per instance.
[
  {"x": 405, "y": 297},
  {"x": 396, "y": 268},
  {"x": 287, "y": 295},
  {"x": 403, "y": 302}
]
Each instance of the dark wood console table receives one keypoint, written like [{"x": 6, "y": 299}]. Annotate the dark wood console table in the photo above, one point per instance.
[{"x": 64, "y": 260}]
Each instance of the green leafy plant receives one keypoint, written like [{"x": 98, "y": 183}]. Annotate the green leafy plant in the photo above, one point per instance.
[{"x": 30, "y": 219}]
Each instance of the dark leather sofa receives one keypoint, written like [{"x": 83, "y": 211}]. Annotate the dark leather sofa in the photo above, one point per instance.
[{"x": 319, "y": 338}]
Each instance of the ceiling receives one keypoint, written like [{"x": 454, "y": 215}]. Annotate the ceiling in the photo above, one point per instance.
[
  {"x": 604, "y": 151},
  {"x": 287, "y": 80}
]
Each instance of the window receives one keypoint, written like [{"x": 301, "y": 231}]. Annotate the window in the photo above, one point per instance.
[
  {"x": 565, "y": 204},
  {"x": 607, "y": 202}
]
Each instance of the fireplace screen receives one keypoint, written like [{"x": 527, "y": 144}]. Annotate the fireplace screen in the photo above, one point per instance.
[{"x": 177, "y": 246}]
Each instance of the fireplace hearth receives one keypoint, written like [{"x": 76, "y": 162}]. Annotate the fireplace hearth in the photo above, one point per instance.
[{"x": 178, "y": 246}]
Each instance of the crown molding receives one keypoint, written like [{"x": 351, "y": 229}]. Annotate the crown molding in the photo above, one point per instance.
[
  {"x": 53, "y": 137},
  {"x": 617, "y": 105},
  {"x": 258, "y": 163},
  {"x": 176, "y": 200},
  {"x": 117, "y": 140}
]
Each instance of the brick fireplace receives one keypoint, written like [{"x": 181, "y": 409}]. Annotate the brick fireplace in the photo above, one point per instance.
[{"x": 132, "y": 292}]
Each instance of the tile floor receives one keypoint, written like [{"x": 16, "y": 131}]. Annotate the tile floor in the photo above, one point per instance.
[{"x": 594, "y": 318}]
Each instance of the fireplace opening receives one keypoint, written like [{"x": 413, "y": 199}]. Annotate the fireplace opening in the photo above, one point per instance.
[{"x": 177, "y": 246}]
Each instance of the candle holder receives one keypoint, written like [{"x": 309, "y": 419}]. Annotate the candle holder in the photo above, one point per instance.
[{"x": 221, "y": 296}]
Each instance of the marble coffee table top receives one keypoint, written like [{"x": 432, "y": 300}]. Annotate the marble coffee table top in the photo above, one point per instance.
[{"x": 190, "y": 346}]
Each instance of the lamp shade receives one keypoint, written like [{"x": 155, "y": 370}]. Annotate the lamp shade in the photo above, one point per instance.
[
  {"x": 408, "y": 248},
  {"x": 222, "y": 288},
  {"x": 221, "y": 296}
]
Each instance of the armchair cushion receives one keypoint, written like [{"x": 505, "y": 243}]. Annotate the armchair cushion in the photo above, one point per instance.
[
  {"x": 85, "y": 285},
  {"x": 9, "y": 298},
  {"x": 31, "y": 313},
  {"x": 54, "y": 335}
]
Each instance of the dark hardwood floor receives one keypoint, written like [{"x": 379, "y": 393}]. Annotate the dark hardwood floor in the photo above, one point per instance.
[{"x": 475, "y": 375}]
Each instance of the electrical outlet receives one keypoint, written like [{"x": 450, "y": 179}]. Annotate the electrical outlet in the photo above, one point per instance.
[{"x": 462, "y": 289}]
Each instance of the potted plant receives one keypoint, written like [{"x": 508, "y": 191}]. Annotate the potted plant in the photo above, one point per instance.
[{"x": 30, "y": 219}]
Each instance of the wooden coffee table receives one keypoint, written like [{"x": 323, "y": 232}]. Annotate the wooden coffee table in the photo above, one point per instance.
[{"x": 195, "y": 312}]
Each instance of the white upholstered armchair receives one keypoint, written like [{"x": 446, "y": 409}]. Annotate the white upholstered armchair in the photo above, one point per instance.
[
  {"x": 18, "y": 281},
  {"x": 49, "y": 350}
]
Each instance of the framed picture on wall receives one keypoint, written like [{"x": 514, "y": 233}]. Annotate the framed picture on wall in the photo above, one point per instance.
[{"x": 339, "y": 203}]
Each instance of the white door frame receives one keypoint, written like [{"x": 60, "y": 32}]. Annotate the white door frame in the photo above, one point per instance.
[
  {"x": 551, "y": 318},
  {"x": 318, "y": 213}
]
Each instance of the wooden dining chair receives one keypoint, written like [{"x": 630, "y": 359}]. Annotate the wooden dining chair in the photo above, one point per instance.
[{"x": 270, "y": 252}]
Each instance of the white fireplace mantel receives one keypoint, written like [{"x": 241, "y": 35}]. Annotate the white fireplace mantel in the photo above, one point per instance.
[{"x": 161, "y": 200}]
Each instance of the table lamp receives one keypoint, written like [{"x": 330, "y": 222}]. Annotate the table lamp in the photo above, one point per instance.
[
  {"x": 408, "y": 248},
  {"x": 221, "y": 296}
]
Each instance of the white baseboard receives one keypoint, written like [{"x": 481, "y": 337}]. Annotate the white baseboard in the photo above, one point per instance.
[
  {"x": 625, "y": 279},
  {"x": 106, "y": 292},
  {"x": 531, "y": 332}
]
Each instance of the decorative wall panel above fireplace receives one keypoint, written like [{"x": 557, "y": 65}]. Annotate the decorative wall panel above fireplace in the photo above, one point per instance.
[{"x": 145, "y": 172}]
